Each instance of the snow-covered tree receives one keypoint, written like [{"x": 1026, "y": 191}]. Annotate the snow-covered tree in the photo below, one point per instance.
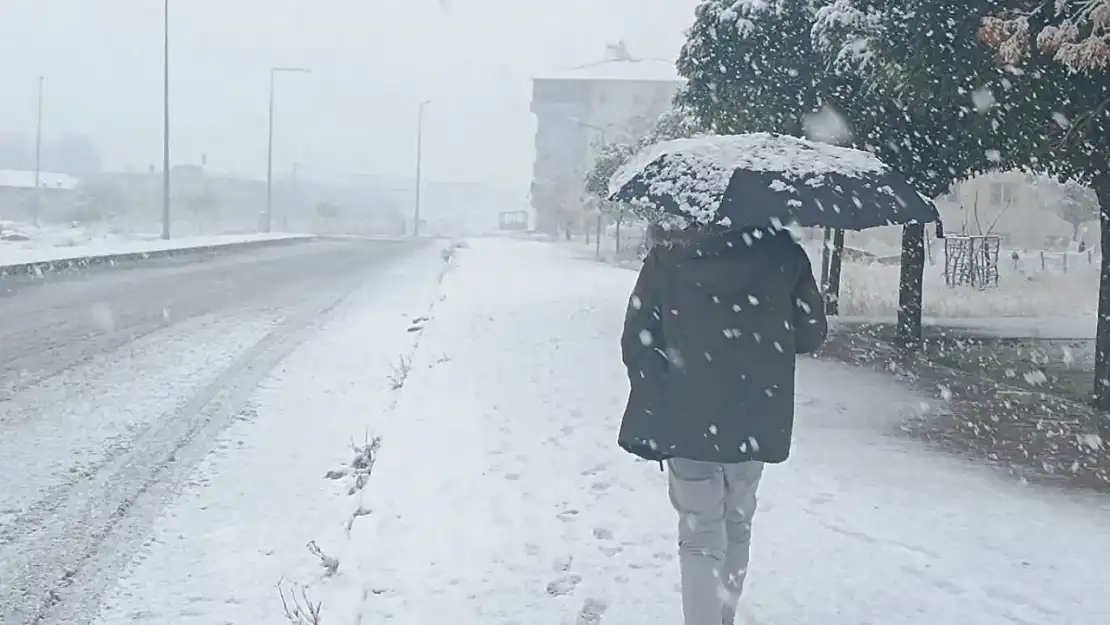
[
  {"x": 328, "y": 210},
  {"x": 842, "y": 72},
  {"x": 1075, "y": 33},
  {"x": 613, "y": 156},
  {"x": 1061, "y": 112},
  {"x": 677, "y": 122},
  {"x": 1073, "y": 202},
  {"x": 750, "y": 67},
  {"x": 1044, "y": 116}
]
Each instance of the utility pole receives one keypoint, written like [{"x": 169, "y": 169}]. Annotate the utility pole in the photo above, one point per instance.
[
  {"x": 268, "y": 216},
  {"x": 166, "y": 124},
  {"x": 602, "y": 134},
  {"x": 419, "y": 164},
  {"x": 38, "y": 159}
]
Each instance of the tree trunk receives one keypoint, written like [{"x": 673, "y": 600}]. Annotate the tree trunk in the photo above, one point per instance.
[
  {"x": 597, "y": 239},
  {"x": 617, "y": 245},
  {"x": 1102, "y": 333},
  {"x": 910, "y": 283},
  {"x": 826, "y": 248},
  {"x": 1075, "y": 232},
  {"x": 836, "y": 261}
]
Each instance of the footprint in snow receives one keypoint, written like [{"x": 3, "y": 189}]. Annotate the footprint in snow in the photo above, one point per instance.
[
  {"x": 592, "y": 612},
  {"x": 601, "y": 533},
  {"x": 567, "y": 516},
  {"x": 595, "y": 470},
  {"x": 563, "y": 586}
]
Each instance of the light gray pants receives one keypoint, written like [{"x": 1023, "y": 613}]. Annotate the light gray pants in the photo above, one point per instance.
[{"x": 715, "y": 504}]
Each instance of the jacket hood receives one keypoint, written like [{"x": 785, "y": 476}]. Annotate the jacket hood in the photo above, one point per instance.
[{"x": 732, "y": 261}]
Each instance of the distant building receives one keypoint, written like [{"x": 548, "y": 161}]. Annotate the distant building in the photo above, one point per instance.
[
  {"x": 17, "y": 194},
  {"x": 579, "y": 110},
  {"x": 22, "y": 179}
]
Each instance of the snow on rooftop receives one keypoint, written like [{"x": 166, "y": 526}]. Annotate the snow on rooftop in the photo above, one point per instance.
[
  {"x": 21, "y": 179},
  {"x": 662, "y": 70}
]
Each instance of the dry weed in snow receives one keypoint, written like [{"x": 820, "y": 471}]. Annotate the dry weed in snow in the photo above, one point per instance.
[
  {"x": 298, "y": 608},
  {"x": 361, "y": 465},
  {"x": 363, "y": 462},
  {"x": 400, "y": 373},
  {"x": 330, "y": 564}
]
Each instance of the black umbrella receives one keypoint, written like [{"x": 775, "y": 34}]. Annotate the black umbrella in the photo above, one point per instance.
[{"x": 762, "y": 179}]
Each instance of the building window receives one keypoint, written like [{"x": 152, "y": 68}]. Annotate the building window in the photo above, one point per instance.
[{"x": 1001, "y": 193}]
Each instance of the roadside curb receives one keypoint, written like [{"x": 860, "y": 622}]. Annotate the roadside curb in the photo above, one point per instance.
[{"x": 40, "y": 268}]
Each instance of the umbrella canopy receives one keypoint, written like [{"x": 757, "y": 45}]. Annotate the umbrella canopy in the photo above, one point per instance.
[{"x": 762, "y": 179}]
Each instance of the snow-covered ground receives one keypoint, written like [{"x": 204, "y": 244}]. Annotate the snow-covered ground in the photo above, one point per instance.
[
  {"x": 50, "y": 244},
  {"x": 499, "y": 495},
  {"x": 1040, "y": 284},
  {"x": 870, "y": 289}
]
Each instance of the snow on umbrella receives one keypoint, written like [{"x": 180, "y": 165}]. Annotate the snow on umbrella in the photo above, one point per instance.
[{"x": 762, "y": 179}]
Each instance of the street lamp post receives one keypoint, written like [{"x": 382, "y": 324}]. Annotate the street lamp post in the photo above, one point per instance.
[
  {"x": 601, "y": 131},
  {"x": 166, "y": 121},
  {"x": 268, "y": 216},
  {"x": 419, "y": 166},
  {"x": 38, "y": 159}
]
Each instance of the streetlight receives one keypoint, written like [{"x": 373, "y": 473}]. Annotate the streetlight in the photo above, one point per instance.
[
  {"x": 419, "y": 163},
  {"x": 597, "y": 239},
  {"x": 274, "y": 71},
  {"x": 600, "y": 129},
  {"x": 38, "y": 157},
  {"x": 166, "y": 121}
]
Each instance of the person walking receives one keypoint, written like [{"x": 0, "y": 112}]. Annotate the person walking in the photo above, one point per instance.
[{"x": 710, "y": 337}]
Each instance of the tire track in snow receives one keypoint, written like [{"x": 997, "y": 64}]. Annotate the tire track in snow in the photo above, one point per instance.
[
  {"x": 53, "y": 544},
  {"x": 59, "y": 556}
]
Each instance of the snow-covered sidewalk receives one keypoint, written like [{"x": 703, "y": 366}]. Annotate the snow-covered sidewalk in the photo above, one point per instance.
[
  {"x": 500, "y": 496},
  {"x": 26, "y": 252}
]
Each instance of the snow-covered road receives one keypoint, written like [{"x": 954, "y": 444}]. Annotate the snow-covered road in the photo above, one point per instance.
[
  {"x": 114, "y": 381},
  {"x": 499, "y": 495}
]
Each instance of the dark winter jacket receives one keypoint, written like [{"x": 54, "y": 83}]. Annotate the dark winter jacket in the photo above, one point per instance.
[{"x": 710, "y": 338}]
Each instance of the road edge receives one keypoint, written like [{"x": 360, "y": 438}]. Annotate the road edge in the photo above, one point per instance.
[{"x": 39, "y": 268}]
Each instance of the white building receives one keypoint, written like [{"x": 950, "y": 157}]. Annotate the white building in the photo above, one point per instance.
[
  {"x": 18, "y": 198},
  {"x": 579, "y": 110}
]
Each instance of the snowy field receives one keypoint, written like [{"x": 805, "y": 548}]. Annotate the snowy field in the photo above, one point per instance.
[
  {"x": 1065, "y": 285},
  {"x": 1040, "y": 284},
  {"x": 30, "y": 245},
  {"x": 499, "y": 495}
]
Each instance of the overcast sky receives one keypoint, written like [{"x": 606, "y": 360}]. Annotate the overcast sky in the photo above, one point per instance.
[{"x": 373, "y": 61}]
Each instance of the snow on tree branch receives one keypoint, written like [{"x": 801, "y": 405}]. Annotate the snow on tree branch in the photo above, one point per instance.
[
  {"x": 846, "y": 32},
  {"x": 1076, "y": 33},
  {"x": 743, "y": 13}
]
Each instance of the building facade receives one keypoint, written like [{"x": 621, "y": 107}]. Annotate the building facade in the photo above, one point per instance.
[
  {"x": 580, "y": 110},
  {"x": 19, "y": 200}
]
